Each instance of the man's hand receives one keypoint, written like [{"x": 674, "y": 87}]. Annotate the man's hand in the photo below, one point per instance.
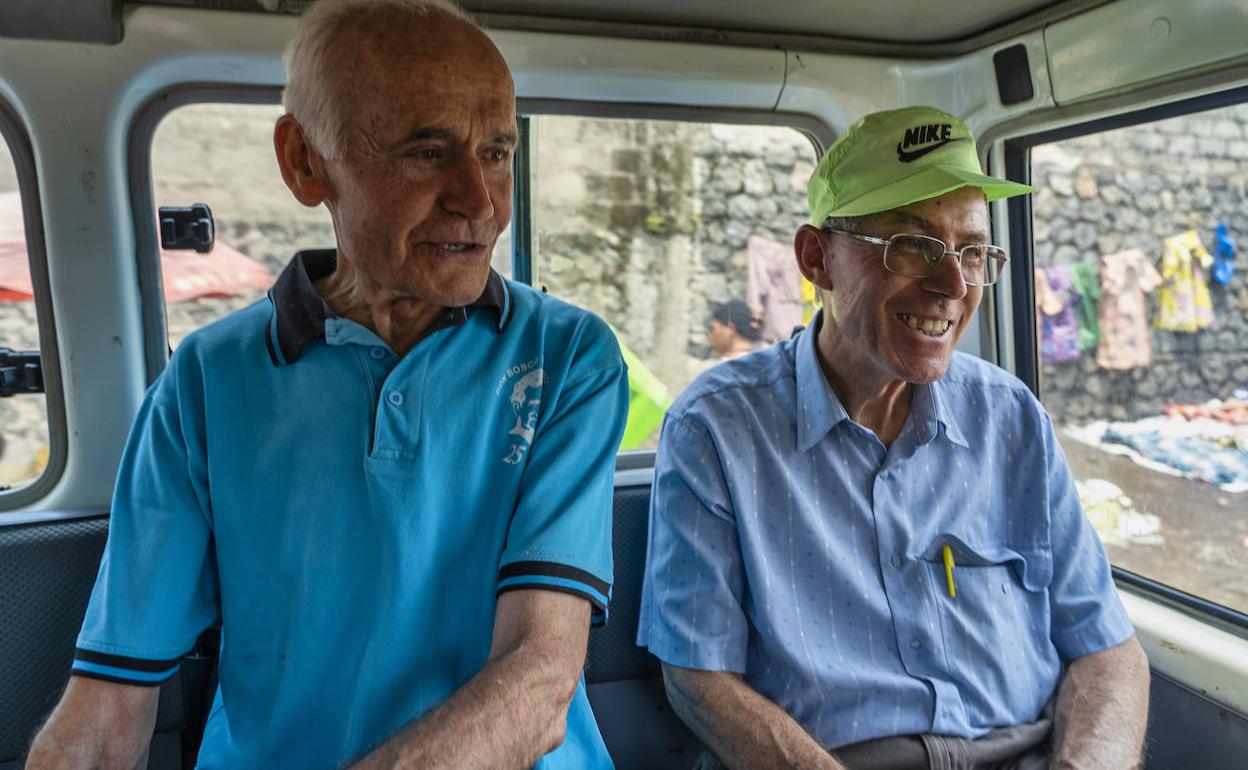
[
  {"x": 1102, "y": 710},
  {"x": 744, "y": 729},
  {"x": 516, "y": 708},
  {"x": 97, "y": 726}
]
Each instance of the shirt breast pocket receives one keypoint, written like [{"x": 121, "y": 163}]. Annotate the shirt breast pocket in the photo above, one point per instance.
[{"x": 995, "y": 622}]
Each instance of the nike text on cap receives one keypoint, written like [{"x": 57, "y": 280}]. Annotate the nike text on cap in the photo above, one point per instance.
[{"x": 892, "y": 159}]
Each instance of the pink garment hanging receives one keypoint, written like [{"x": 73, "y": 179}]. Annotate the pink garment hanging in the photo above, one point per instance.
[{"x": 773, "y": 287}]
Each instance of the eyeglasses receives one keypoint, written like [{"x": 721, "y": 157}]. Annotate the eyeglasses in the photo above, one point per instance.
[{"x": 918, "y": 256}]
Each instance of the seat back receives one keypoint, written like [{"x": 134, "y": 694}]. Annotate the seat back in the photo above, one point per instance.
[
  {"x": 624, "y": 681},
  {"x": 46, "y": 574}
]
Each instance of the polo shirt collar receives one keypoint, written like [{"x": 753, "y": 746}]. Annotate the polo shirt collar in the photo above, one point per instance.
[
  {"x": 819, "y": 410},
  {"x": 299, "y": 313}
]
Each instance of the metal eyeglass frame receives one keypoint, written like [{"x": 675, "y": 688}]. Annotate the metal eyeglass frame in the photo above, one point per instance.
[{"x": 947, "y": 251}]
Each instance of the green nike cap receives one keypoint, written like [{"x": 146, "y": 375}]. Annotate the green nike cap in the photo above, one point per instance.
[{"x": 892, "y": 159}]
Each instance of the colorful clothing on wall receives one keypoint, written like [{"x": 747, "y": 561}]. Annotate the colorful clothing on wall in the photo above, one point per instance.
[
  {"x": 1088, "y": 286},
  {"x": 1126, "y": 340},
  {"x": 1055, "y": 315},
  {"x": 1183, "y": 302},
  {"x": 773, "y": 287}
]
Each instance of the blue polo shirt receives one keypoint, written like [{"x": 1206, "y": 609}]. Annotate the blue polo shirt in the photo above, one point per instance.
[
  {"x": 349, "y": 516},
  {"x": 789, "y": 545}
]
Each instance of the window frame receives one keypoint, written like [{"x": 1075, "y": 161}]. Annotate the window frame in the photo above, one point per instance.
[
  {"x": 1022, "y": 332},
  {"x": 14, "y": 136},
  {"x": 818, "y": 133}
]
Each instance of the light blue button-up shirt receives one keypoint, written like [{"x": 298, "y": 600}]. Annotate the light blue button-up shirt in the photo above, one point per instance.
[{"x": 788, "y": 544}]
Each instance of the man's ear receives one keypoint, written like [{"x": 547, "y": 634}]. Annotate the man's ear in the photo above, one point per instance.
[
  {"x": 303, "y": 170},
  {"x": 808, "y": 247}
]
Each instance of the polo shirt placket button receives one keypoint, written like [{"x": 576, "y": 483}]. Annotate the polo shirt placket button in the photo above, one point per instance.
[
  {"x": 895, "y": 561},
  {"x": 395, "y": 398},
  {"x": 915, "y": 644},
  {"x": 377, "y": 353}
]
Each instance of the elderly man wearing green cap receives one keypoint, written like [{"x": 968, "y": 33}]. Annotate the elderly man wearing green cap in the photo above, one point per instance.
[{"x": 866, "y": 549}]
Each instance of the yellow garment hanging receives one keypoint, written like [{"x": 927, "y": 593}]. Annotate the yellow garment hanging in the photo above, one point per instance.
[{"x": 1183, "y": 301}]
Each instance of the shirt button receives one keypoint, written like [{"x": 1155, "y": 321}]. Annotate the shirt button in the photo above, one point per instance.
[
  {"x": 377, "y": 353},
  {"x": 915, "y": 644},
  {"x": 395, "y": 398},
  {"x": 895, "y": 561}
]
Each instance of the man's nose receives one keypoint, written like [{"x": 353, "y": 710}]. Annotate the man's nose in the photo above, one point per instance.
[
  {"x": 467, "y": 192},
  {"x": 947, "y": 279}
]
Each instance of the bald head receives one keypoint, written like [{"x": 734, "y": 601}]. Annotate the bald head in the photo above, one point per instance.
[{"x": 348, "y": 57}]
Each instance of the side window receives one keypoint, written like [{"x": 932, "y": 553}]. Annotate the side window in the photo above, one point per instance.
[
  {"x": 24, "y": 442},
  {"x": 222, "y": 154},
  {"x": 659, "y": 226},
  {"x": 1142, "y": 317}
]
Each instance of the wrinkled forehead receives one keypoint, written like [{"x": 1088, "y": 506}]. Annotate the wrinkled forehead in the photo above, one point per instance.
[
  {"x": 962, "y": 212},
  {"x": 432, "y": 63}
]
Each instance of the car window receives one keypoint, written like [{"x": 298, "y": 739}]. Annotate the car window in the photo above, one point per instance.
[
  {"x": 1142, "y": 317},
  {"x": 654, "y": 225},
  {"x": 222, "y": 154},
  {"x": 23, "y": 416}
]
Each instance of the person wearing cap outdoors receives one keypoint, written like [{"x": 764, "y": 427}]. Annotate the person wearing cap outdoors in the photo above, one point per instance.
[{"x": 866, "y": 549}]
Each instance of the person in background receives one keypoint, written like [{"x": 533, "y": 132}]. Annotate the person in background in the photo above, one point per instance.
[
  {"x": 734, "y": 330},
  {"x": 866, "y": 549}
]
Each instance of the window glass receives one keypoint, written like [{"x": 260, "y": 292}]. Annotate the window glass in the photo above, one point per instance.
[
  {"x": 222, "y": 155},
  {"x": 23, "y": 417},
  {"x": 656, "y": 225},
  {"x": 1142, "y": 311}
]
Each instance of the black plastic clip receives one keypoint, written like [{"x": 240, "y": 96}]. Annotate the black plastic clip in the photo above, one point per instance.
[
  {"x": 21, "y": 371},
  {"x": 187, "y": 229}
]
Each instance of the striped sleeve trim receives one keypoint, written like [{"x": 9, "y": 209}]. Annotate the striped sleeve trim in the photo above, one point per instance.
[
  {"x": 552, "y": 576},
  {"x": 122, "y": 669}
]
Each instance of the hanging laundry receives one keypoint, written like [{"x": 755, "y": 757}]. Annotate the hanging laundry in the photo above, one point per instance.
[
  {"x": 773, "y": 287},
  {"x": 1183, "y": 302},
  {"x": 1088, "y": 287},
  {"x": 1223, "y": 255},
  {"x": 1126, "y": 341},
  {"x": 1055, "y": 316}
]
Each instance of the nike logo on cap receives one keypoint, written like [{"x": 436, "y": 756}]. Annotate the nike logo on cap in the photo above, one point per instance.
[{"x": 937, "y": 134}]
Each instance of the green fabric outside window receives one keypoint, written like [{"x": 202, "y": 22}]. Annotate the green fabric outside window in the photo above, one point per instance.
[{"x": 1088, "y": 286}]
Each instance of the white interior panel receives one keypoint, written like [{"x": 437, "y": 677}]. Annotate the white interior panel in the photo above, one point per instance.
[
  {"x": 1202, "y": 656},
  {"x": 1133, "y": 42}
]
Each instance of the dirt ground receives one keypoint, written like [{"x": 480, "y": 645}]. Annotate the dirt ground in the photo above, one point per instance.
[{"x": 1204, "y": 552}]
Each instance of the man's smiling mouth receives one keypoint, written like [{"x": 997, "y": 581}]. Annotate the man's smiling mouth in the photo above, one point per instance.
[{"x": 932, "y": 327}]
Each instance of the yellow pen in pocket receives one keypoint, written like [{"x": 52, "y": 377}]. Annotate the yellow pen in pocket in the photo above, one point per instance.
[{"x": 953, "y": 591}]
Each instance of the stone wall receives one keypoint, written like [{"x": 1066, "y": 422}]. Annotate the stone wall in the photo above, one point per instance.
[
  {"x": 646, "y": 222},
  {"x": 1131, "y": 188}
]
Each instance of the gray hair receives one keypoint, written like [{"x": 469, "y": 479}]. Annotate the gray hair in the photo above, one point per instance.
[
  {"x": 310, "y": 65},
  {"x": 849, "y": 224}
]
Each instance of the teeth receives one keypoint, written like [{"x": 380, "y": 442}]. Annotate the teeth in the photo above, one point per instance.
[
  {"x": 454, "y": 246},
  {"x": 929, "y": 326}
]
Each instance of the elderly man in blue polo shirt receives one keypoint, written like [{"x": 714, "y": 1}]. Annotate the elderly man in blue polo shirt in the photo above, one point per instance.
[
  {"x": 866, "y": 550},
  {"x": 390, "y": 483}
]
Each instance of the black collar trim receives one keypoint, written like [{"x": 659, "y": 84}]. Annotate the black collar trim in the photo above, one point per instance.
[{"x": 299, "y": 313}]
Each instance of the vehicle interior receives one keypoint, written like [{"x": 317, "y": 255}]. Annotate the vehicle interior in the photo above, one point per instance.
[{"x": 664, "y": 153}]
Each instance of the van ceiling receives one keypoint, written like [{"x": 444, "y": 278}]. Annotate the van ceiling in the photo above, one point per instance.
[{"x": 880, "y": 26}]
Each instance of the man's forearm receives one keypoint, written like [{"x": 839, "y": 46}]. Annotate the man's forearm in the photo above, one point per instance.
[
  {"x": 507, "y": 716},
  {"x": 744, "y": 729},
  {"x": 1102, "y": 711},
  {"x": 96, "y": 726}
]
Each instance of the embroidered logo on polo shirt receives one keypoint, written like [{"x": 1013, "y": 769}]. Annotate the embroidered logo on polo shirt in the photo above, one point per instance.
[{"x": 525, "y": 402}]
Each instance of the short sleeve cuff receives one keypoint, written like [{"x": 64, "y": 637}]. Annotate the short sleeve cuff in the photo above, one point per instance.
[
  {"x": 552, "y": 576},
  {"x": 703, "y": 655},
  {"x": 120, "y": 669},
  {"x": 1109, "y": 629}
]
